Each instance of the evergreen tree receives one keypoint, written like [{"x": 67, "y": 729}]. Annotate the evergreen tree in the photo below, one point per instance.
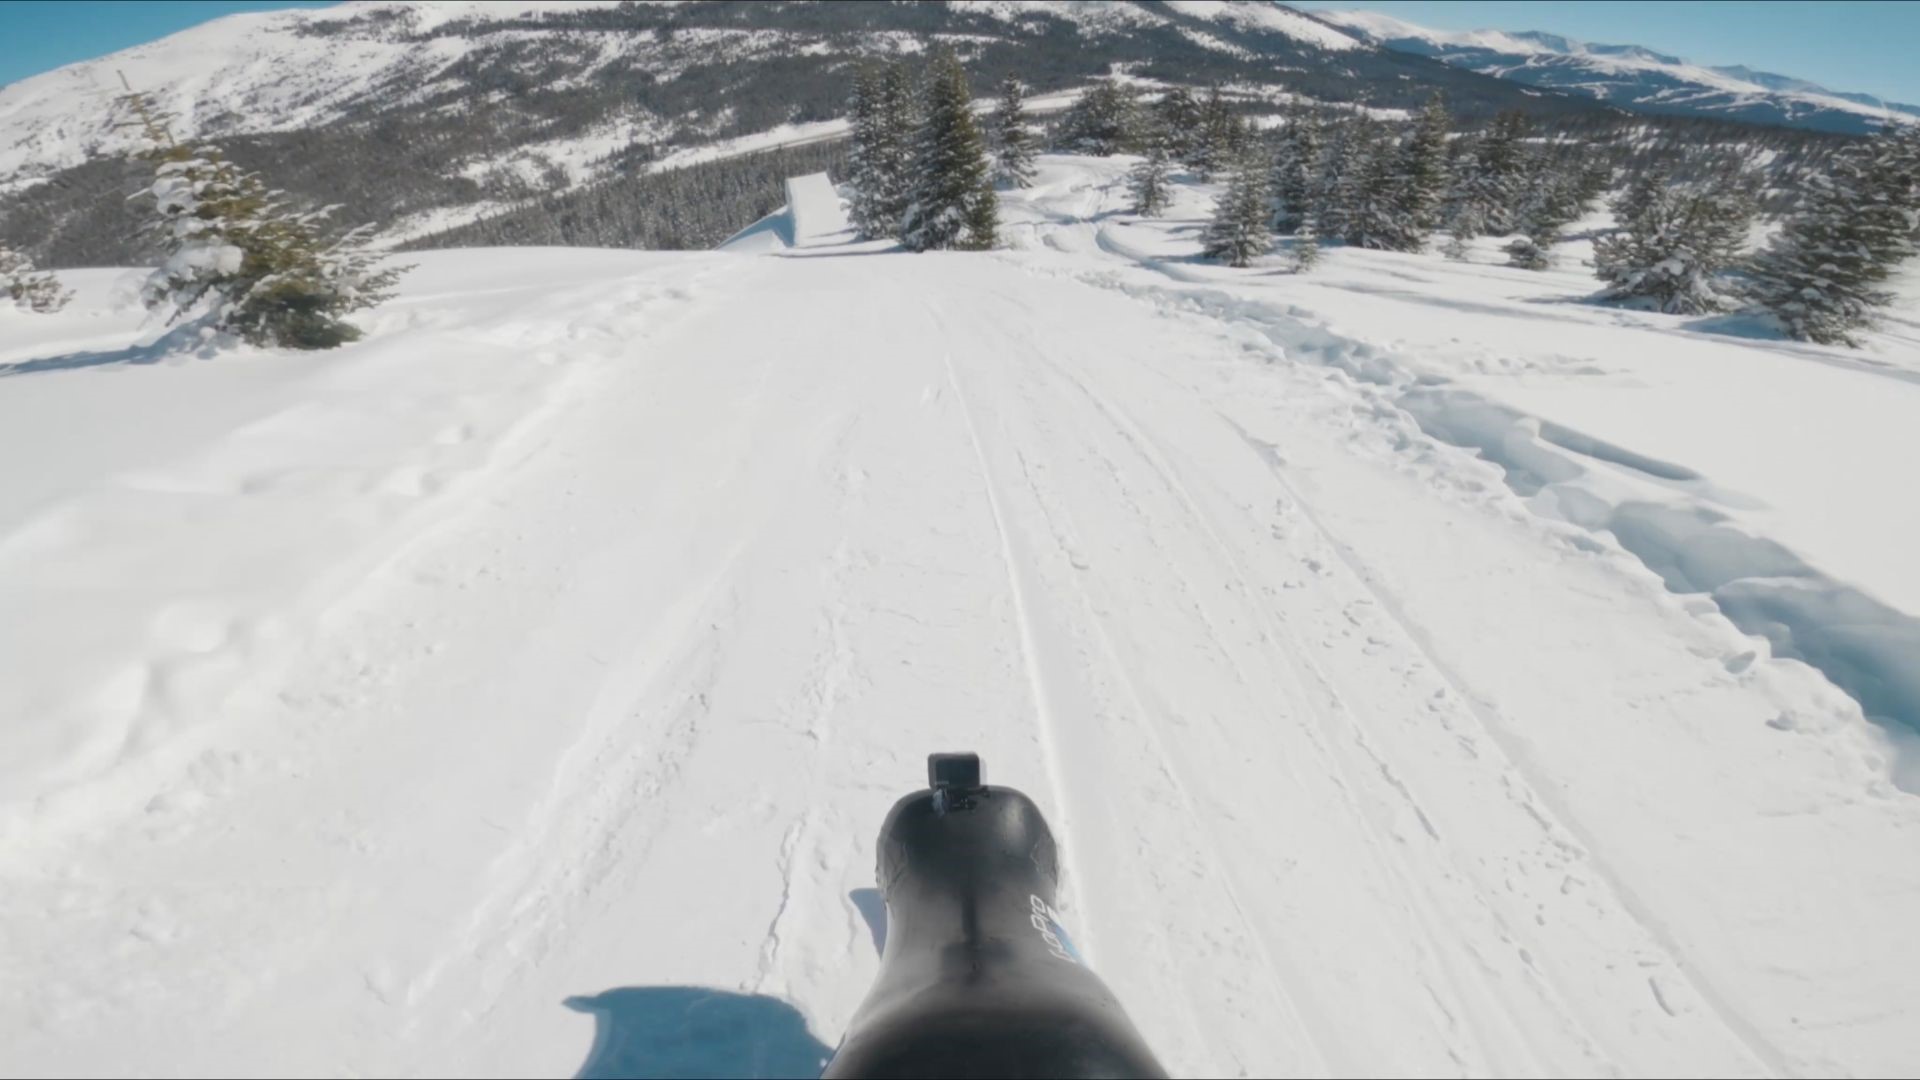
[
  {"x": 1645, "y": 190},
  {"x": 1460, "y": 207},
  {"x": 1179, "y": 119},
  {"x": 1528, "y": 253},
  {"x": 1552, "y": 200},
  {"x": 1213, "y": 148},
  {"x": 1422, "y": 180},
  {"x": 1104, "y": 122},
  {"x": 235, "y": 252},
  {"x": 1672, "y": 253},
  {"x": 39, "y": 292},
  {"x": 1373, "y": 201},
  {"x": 1295, "y": 170},
  {"x": 1496, "y": 183},
  {"x": 882, "y": 153},
  {"x": 1238, "y": 232},
  {"x": 1595, "y": 177},
  {"x": 1334, "y": 188},
  {"x": 1854, "y": 225},
  {"x": 1012, "y": 141},
  {"x": 1306, "y": 245},
  {"x": 953, "y": 204},
  {"x": 1148, "y": 181},
  {"x": 865, "y": 156},
  {"x": 1456, "y": 246}
]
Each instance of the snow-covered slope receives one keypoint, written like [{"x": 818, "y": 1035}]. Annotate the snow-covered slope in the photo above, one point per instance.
[
  {"x": 423, "y": 117},
  {"x": 304, "y": 68},
  {"x": 519, "y": 690},
  {"x": 1631, "y": 76}
]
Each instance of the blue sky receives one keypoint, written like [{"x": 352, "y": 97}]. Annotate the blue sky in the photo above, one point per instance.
[
  {"x": 40, "y": 35},
  {"x": 1870, "y": 47},
  {"x": 1860, "y": 45}
]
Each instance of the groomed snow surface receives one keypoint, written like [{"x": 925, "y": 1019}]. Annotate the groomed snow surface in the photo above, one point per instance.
[{"x": 1426, "y": 673}]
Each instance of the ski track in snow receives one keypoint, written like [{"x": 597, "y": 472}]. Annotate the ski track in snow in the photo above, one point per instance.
[{"x": 612, "y": 709}]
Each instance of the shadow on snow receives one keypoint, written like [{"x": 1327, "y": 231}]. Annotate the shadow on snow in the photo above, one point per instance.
[{"x": 696, "y": 1032}]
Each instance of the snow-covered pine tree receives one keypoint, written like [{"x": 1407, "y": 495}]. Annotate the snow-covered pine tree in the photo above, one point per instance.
[
  {"x": 1595, "y": 178},
  {"x": 1500, "y": 163},
  {"x": 1551, "y": 200},
  {"x": 1148, "y": 181},
  {"x": 240, "y": 258},
  {"x": 1334, "y": 187},
  {"x": 1672, "y": 254},
  {"x": 25, "y": 287},
  {"x": 1456, "y": 246},
  {"x": 1179, "y": 117},
  {"x": 1459, "y": 207},
  {"x": 1644, "y": 190},
  {"x": 1104, "y": 121},
  {"x": 953, "y": 204},
  {"x": 1238, "y": 232},
  {"x": 1373, "y": 208},
  {"x": 1421, "y": 185},
  {"x": 1306, "y": 245},
  {"x": 865, "y": 157},
  {"x": 1214, "y": 147},
  {"x": 1854, "y": 224},
  {"x": 1528, "y": 254},
  {"x": 1012, "y": 140},
  {"x": 896, "y": 121},
  {"x": 1295, "y": 168}
]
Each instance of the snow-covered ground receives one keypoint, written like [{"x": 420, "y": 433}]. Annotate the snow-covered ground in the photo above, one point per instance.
[{"x": 519, "y": 690}]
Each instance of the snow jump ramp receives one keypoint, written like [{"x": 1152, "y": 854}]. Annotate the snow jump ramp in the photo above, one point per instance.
[{"x": 812, "y": 216}]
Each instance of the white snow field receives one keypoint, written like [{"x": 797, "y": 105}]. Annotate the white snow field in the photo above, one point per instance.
[{"x": 1425, "y": 672}]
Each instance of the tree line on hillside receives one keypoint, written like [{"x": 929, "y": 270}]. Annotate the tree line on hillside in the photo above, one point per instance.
[
  {"x": 1678, "y": 246},
  {"x": 692, "y": 207}
]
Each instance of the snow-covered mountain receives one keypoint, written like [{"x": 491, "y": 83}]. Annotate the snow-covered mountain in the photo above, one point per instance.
[
  {"x": 288, "y": 70},
  {"x": 1631, "y": 76},
  {"x": 421, "y": 116},
  {"x": 425, "y": 117}
]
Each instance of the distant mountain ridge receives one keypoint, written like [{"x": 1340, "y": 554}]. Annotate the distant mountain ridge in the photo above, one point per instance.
[
  {"x": 1631, "y": 76},
  {"x": 423, "y": 117},
  {"x": 427, "y": 118}
]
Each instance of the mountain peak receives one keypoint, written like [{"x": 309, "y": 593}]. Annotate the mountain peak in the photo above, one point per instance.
[{"x": 1631, "y": 76}]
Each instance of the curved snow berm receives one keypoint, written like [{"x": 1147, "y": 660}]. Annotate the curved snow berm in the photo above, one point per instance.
[
  {"x": 1631, "y": 76},
  {"x": 515, "y": 691}
]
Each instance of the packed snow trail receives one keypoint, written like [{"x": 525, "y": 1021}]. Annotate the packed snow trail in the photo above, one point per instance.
[{"x": 1358, "y": 768}]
